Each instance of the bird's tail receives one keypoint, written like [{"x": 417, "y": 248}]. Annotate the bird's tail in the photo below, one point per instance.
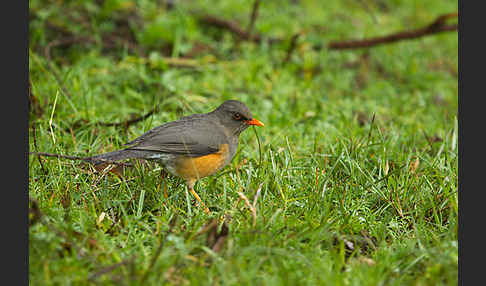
[{"x": 115, "y": 156}]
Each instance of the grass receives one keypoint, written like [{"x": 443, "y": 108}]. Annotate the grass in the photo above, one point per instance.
[{"x": 357, "y": 162}]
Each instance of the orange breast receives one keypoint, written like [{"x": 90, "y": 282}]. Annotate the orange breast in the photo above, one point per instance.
[{"x": 200, "y": 167}]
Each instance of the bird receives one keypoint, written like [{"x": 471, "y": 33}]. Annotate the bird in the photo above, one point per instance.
[{"x": 192, "y": 147}]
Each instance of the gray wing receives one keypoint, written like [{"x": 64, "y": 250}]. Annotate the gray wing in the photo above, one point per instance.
[{"x": 188, "y": 136}]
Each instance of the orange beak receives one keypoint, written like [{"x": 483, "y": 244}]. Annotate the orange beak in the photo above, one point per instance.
[{"x": 254, "y": 121}]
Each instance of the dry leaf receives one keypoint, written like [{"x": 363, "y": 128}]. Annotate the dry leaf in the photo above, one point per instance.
[
  {"x": 366, "y": 260},
  {"x": 215, "y": 240},
  {"x": 100, "y": 218},
  {"x": 387, "y": 168},
  {"x": 414, "y": 165}
]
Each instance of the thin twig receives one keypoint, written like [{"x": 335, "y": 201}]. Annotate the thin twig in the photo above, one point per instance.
[
  {"x": 34, "y": 135},
  {"x": 248, "y": 204},
  {"x": 110, "y": 268},
  {"x": 235, "y": 29},
  {"x": 182, "y": 62},
  {"x": 231, "y": 26},
  {"x": 435, "y": 27},
  {"x": 127, "y": 123},
  {"x": 110, "y": 40},
  {"x": 253, "y": 17},
  {"x": 293, "y": 45}
]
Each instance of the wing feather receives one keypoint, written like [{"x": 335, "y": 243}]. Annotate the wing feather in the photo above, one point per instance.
[{"x": 189, "y": 136}]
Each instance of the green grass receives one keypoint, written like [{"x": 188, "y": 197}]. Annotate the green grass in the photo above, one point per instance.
[{"x": 344, "y": 199}]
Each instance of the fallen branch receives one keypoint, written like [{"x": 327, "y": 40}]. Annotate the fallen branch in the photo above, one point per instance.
[
  {"x": 127, "y": 123},
  {"x": 181, "y": 62},
  {"x": 235, "y": 29},
  {"x": 122, "y": 32},
  {"x": 435, "y": 27},
  {"x": 110, "y": 41}
]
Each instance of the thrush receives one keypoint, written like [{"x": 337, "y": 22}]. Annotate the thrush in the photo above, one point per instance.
[{"x": 192, "y": 147}]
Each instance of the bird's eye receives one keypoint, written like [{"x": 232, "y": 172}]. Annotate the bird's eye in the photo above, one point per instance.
[{"x": 237, "y": 116}]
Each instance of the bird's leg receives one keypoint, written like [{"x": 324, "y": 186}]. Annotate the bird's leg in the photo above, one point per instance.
[
  {"x": 190, "y": 186},
  {"x": 199, "y": 200},
  {"x": 163, "y": 174}
]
